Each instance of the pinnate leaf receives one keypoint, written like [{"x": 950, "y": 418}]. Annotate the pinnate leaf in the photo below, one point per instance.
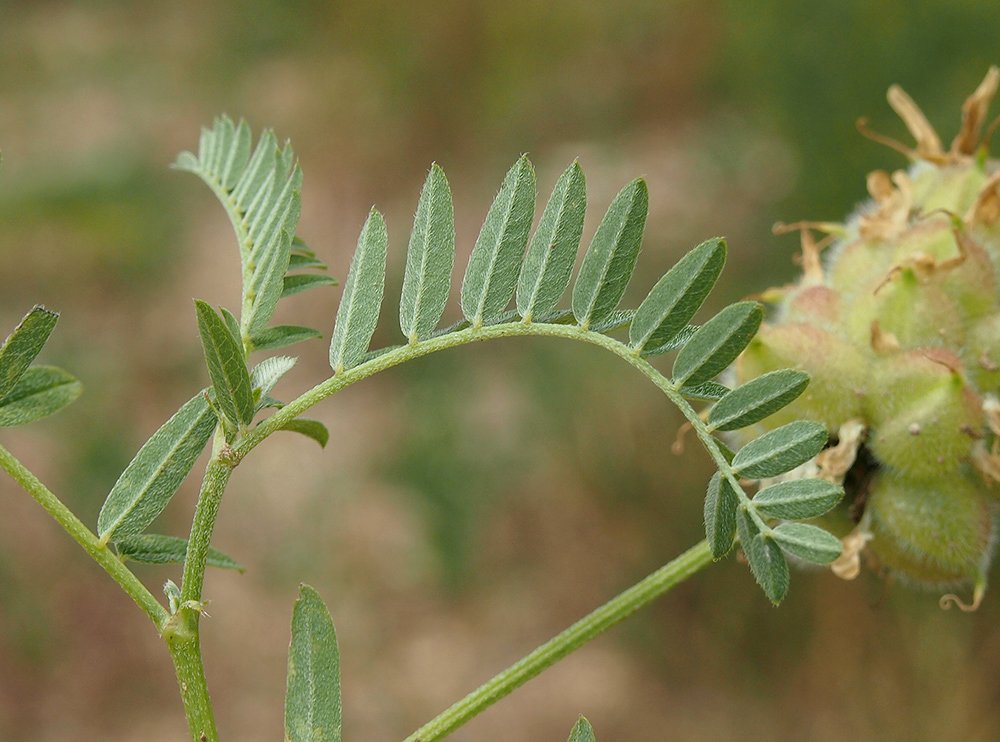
[
  {"x": 610, "y": 259},
  {"x": 153, "y": 548},
  {"x": 717, "y": 343},
  {"x": 808, "y": 542},
  {"x": 549, "y": 261},
  {"x": 359, "y": 308},
  {"x": 281, "y": 336},
  {"x": 798, "y": 499},
  {"x": 312, "y": 697},
  {"x": 780, "y": 450},
  {"x": 430, "y": 259},
  {"x": 39, "y": 392},
  {"x": 721, "y": 503},
  {"x": 491, "y": 276},
  {"x": 582, "y": 731},
  {"x": 145, "y": 487},
  {"x": 757, "y": 399},
  {"x": 23, "y": 345},
  {"x": 676, "y": 297},
  {"x": 226, "y": 367}
]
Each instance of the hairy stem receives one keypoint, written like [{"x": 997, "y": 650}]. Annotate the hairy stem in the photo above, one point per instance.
[
  {"x": 609, "y": 614},
  {"x": 79, "y": 532},
  {"x": 185, "y": 650},
  {"x": 213, "y": 485},
  {"x": 401, "y": 354}
]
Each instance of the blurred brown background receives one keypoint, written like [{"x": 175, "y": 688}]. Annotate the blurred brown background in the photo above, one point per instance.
[{"x": 473, "y": 503}]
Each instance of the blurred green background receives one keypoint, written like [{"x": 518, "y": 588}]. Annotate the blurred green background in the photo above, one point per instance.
[{"x": 471, "y": 504}]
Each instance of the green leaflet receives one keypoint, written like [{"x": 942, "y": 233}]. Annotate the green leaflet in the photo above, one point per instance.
[
  {"x": 298, "y": 261},
  {"x": 226, "y": 366},
  {"x": 152, "y": 548},
  {"x": 430, "y": 259},
  {"x": 780, "y": 450},
  {"x": 310, "y": 428},
  {"x": 582, "y": 731},
  {"x": 808, "y": 542},
  {"x": 798, "y": 499},
  {"x": 39, "y": 392},
  {"x": 357, "y": 315},
  {"x": 768, "y": 566},
  {"x": 707, "y": 390},
  {"x": 281, "y": 336},
  {"x": 610, "y": 259},
  {"x": 717, "y": 343},
  {"x": 767, "y": 563},
  {"x": 548, "y": 263},
  {"x": 233, "y": 324},
  {"x": 491, "y": 276},
  {"x": 676, "y": 297},
  {"x": 757, "y": 399},
  {"x": 614, "y": 321},
  {"x": 300, "y": 282},
  {"x": 145, "y": 487},
  {"x": 678, "y": 341},
  {"x": 721, "y": 503},
  {"x": 23, "y": 345},
  {"x": 266, "y": 374},
  {"x": 312, "y": 697}
]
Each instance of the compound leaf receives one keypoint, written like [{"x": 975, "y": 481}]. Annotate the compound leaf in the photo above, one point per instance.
[
  {"x": 780, "y": 450},
  {"x": 226, "y": 367},
  {"x": 23, "y": 345},
  {"x": 717, "y": 343},
  {"x": 430, "y": 259},
  {"x": 152, "y": 548},
  {"x": 610, "y": 259},
  {"x": 798, "y": 499},
  {"x": 312, "y": 697},
  {"x": 548, "y": 263},
  {"x": 808, "y": 542},
  {"x": 757, "y": 399},
  {"x": 676, "y": 297},
  {"x": 39, "y": 392},
  {"x": 491, "y": 276},
  {"x": 145, "y": 487},
  {"x": 359, "y": 308}
]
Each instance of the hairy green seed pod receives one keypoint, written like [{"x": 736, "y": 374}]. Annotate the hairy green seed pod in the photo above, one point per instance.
[{"x": 899, "y": 327}]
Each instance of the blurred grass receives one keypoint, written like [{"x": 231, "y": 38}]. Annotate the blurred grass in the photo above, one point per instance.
[{"x": 471, "y": 505}]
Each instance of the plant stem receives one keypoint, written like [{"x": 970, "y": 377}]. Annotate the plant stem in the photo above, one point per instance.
[
  {"x": 182, "y": 633},
  {"x": 86, "y": 538},
  {"x": 609, "y": 614},
  {"x": 185, "y": 651},
  {"x": 403, "y": 353},
  {"x": 213, "y": 485}
]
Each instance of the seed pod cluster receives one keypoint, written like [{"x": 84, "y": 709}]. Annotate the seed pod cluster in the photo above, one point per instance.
[{"x": 896, "y": 318}]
